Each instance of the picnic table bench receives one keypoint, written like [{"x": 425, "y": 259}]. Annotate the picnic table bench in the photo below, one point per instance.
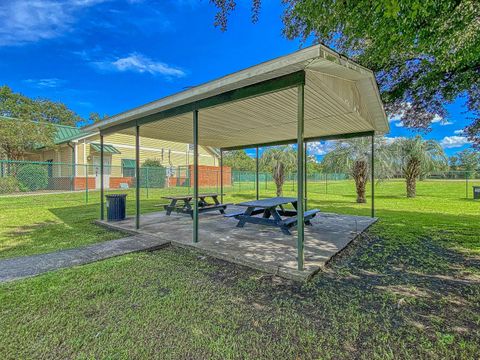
[
  {"x": 272, "y": 211},
  {"x": 186, "y": 207}
]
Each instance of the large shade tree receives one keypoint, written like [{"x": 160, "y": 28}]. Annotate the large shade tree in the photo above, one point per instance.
[
  {"x": 416, "y": 156},
  {"x": 426, "y": 53},
  {"x": 353, "y": 156},
  {"x": 26, "y": 123},
  {"x": 238, "y": 160}
]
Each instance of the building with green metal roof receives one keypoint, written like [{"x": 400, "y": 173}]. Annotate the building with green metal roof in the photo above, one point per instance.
[{"x": 76, "y": 146}]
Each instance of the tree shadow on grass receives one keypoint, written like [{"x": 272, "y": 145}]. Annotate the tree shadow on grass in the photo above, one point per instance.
[{"x": 73, "y": 228}]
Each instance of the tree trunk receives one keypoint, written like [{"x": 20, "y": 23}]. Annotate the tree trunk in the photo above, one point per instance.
[
  {"x": 411, "y": 187},
  {"x": 360, "y": 175},
  {"x": 412, "y": 172},
  {"x": 279, "y": 177}
]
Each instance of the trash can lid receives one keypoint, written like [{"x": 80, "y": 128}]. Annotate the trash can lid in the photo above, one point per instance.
[{"x": 116, "y": 195}]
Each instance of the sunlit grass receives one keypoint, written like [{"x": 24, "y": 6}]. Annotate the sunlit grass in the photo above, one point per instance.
[{"x": 408, "y": 290}]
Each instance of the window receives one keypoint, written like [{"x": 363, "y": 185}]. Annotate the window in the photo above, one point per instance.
[{"x": 128, "y": 168}]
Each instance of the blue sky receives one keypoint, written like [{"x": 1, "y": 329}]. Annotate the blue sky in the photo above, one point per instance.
[{"x": 108, "y": 56}]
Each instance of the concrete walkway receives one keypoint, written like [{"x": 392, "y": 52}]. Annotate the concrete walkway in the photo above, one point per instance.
[{"x": 27, "y": 266}]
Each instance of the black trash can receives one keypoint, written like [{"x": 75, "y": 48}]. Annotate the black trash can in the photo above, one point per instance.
[
  {"x": 476, "y": 192},
  {"x": 116, "y": 207}
]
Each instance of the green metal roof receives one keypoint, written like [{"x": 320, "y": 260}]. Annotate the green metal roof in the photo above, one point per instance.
[
  {"x": 67, "y": 133},
  {"x": 109, "y": 149}
]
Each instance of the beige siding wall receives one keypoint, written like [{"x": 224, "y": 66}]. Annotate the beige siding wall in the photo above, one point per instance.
[{"x": 167, "y": 152}]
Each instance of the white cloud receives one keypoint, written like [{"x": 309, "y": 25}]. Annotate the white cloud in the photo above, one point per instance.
[
  {"x": 26, "y": 21},
  {"x": 318, "y": 148},
  {"x": 459, "y": 132},
  {"x": 449, "y": 142},
  {"x": 139, "y": 63},
  {"x": 397, "y": 119},
  {"x": 45, "y": 83}
]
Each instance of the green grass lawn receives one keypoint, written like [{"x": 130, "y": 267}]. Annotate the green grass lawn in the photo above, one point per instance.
[{"x": 409, "y": 289}]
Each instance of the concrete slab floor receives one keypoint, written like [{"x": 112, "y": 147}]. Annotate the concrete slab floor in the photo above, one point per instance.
[{"x": 261, "y": 247}]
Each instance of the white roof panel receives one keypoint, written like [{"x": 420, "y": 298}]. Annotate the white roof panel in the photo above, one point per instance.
[{"x": 341, "y": 97}]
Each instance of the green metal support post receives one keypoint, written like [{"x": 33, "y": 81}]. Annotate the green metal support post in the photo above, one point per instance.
[
  {"x": 300, "y": 176},
  {"x": 146, "y": 179},
  {"x": 137, "y": 177},
  {"x": 305, "y": 176},
  {"x": 86, "y": 183},
  {"x": 256, "y": 173},
  {"x": 102, "y": 212},
  {"x": 221, "y": 176},
  {"x": 195, "y": 176},
  {"x": 373, "y": 175}
]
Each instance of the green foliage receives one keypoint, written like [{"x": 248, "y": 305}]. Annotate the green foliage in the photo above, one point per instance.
[
  {"x": 428, "y": 153},
  {"x": 425, "y": 53},
  {"x": 416, "y": 158},
  {"x": 25, "y": 123},
  {"x": 353, "y": 156},
  {"x": 95, "y": 117},
  {"x": 281, "y": 161},
  {"x": 18, "y": 136},
  {"x": 8, "y": 185},
  {"x": 313, "y": 167},
  {"x": 32, "y": 177},
  {"x": 468, "y": 160},
  {"x": 285, "y": 154},
  {"x": 345, "y": 153},
  {"x": 152, "y": 174},
  {"x": 16, "y": 105},
  {"x": 238, "y": 160}
]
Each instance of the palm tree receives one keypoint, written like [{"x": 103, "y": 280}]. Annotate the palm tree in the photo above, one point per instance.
[
  {"x": 280, "y": 161},
  {"x": 353, "y": 156},
  {"x": 416, "y": 157}
]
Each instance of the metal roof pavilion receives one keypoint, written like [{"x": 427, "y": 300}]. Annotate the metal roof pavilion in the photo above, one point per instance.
[
  {"x": 311, "y": 94},
  {"x": 258, "y": 105}
]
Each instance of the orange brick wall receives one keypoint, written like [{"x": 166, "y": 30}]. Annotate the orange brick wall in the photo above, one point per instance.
[
  {"x": 116, "y": 181},
  {"x": 80, "y": 183},
  {"x": 210, "y": 175},
  {"x": 175, "y": 181}
]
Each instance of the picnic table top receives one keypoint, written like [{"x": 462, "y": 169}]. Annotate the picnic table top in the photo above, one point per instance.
[
  {"x": 188, "y": 196},
  {"x": 268, "y": 203}
]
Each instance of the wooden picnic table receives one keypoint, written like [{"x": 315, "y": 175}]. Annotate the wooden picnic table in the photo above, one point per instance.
[
  {"x": 186, "y": 206},
  {"x": 271, "y": 211}
]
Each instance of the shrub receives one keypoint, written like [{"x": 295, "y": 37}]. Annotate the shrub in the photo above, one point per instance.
[
  {"x": 152, "y": 174},
  {"x": 8, "y": 185},
  {"x": 32, "y": 177}
]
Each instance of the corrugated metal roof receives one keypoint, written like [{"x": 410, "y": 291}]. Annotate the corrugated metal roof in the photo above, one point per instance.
[
  {"x": 68, "y": 133},
  {"x": 341, "y": 97}
]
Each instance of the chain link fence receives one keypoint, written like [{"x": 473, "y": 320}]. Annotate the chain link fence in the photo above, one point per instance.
[{"x": 81, "y": 183}]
